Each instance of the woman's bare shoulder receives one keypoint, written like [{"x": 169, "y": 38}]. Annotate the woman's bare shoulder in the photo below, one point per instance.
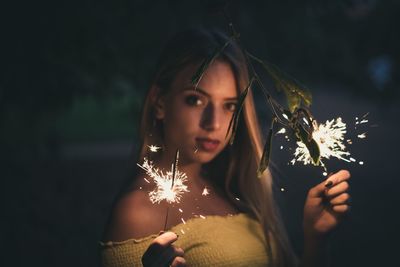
[{"x": 134, "y": 216}]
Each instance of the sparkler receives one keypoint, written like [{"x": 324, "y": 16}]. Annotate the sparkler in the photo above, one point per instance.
[
  {"x": 169, "y": 186},
  {"x": 330, "y": 139}
]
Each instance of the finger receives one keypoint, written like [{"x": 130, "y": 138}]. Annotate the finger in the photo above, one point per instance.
[
  {"x": 331, "y": 181},
  {"x": 157, "y": 247},
  {"x": 341, "y": 208},
  {"x": 165, "y": 239},
  {"x": 169, "y": 254},
  {"x": 337, "y": 189},
  {"x": 340, "y": 199},
  {"x": 178, "y": 262},
  {"x": 337, "y": 178}
]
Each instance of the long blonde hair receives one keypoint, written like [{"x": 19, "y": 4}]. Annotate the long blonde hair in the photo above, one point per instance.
[{"x": 242, "y": 157}]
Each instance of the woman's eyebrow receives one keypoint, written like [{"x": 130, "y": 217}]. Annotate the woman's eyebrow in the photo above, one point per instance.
[{"x": 203, "y": 92}]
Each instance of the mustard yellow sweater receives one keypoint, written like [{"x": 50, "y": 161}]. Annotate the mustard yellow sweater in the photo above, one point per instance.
[{"x": 234, "y": 240}]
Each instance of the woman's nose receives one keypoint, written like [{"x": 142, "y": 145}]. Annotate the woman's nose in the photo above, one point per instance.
[{"x": 211, "y": 118}]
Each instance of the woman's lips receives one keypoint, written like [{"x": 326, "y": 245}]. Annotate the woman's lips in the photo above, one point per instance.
[{"x": 207, "y": 144}]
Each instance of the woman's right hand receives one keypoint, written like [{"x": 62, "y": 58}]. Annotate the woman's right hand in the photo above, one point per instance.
[{"x": 161, "y": 252}]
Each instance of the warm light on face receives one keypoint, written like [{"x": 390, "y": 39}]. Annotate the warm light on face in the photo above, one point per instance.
[{"x": 196, "y": 121}]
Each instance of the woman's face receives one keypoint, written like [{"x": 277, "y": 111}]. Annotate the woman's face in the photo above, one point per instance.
[{"x": 196, "y": 121}]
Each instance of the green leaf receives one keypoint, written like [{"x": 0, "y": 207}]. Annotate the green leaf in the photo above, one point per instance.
[
  {"x": 207, "y": 62},
  {"x": 295, "y": 91},
  {"x": 233, "y": 124},
  {"x": 264, "y": 162},
  {"x": 175, "y": 167},
  {"x": 312, "y": 146}
]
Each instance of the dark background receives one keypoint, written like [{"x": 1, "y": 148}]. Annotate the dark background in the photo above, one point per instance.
[{"x": 73, "y": 76}]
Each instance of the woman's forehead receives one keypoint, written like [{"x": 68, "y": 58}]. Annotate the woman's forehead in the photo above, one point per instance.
[{"x": 217, "y": 79}]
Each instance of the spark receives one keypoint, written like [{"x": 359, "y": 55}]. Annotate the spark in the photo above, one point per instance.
[
  {"x": 180, "y": 210},
  {"x": 281, "y": 147},
  {"x": 353, "y": 159},
  {"x": 147, "y": 181},
  {"x": 167, "y": 188},
  {"x": 361, "y": 162},
  {"x": 362, "y": 136},
  {"x": 330, "y": 139},
  {"x": 184, "y": 222},
  {"x": 205, "y": 191},
  {"x": 324, "y": 173},
  {"x": 201, "y": 216},
  {"x": 283, "y": 189},
  {"x": 237, "y": 198},
  {"x": 281, "y": 131},
  {"x": 183, "y": 232},
  {"x": 153, "y": 148},
  {"x": 285, "y": 116}
]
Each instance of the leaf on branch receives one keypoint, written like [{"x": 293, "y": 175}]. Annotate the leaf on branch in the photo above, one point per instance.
[
  {"x": 306, "y": 138},
  {"x": 233, "y": 124},
  {"x": 207, "y": 62},
  {"x": 264, "y": 162},
  {"x": 295, "y": 91}
]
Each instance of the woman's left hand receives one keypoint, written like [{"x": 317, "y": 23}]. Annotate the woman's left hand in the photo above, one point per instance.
[{"x": 326, "y": 204}]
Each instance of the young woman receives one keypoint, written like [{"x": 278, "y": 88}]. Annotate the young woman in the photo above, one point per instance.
[{"x": 239, "y": 223}]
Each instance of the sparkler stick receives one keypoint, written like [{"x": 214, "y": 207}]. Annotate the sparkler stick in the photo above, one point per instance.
[{"x": 174, "y": 169}]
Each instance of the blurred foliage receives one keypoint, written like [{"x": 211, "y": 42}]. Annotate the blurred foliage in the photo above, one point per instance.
[{"x": 58, "y": 54}]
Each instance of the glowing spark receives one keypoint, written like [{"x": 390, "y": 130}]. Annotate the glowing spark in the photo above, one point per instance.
[
  {"x": 305, "y": 121},
  {"x": 237, "y": 199},
  {"x": 349, "y": 141},
  {"x": 153, "y": 148},
  {"x": 362, "y": 136},
  {"x": 361, "y": 162},
  {"x": 324, "y": 173},
  {"x": 205, "y": 191},
  {"x": 201, "y": 216},
  {"x": 285, "y": 116},
  {"x": 281, "y": 147},
  {"x": 180, "y": 210},
  {"x": 147, "y": 181},
  {"x": 166, "y": 189},
  {"x": 353, "y": 159},
  {"x": 330, "y": 139},
  {"x": 183, "y": 221},
  {"x": 363, "y": 121},
  {"x": 183, "y": 232},
  {"x": 283, "y": 189},
  {"x": 281, "y": 131}
]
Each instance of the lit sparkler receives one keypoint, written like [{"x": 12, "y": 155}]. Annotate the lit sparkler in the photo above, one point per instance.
[
  {"x": 168, "y": 187},
  {"x": 330, "y": 139}
]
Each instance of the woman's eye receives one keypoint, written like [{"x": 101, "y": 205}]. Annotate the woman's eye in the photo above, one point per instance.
[
  {"x": 230, "y": 106},
  {"x": 193, "y": 100}
]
